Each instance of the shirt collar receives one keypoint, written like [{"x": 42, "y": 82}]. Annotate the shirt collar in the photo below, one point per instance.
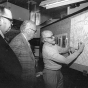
[{"x": 24, "y": 37}]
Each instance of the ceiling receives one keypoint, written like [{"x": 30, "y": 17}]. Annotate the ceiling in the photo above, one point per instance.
[
  {"x": 24, "y": 3},
  {"x": 52, "y": 13}
]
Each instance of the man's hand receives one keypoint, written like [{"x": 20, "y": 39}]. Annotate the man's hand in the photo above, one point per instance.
[
  {"x": 72, "y": 50},
  {"x": 39, "y": 74}
]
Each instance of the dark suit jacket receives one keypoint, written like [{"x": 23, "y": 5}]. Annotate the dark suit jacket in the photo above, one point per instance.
[{"x": 9, "y": 63}]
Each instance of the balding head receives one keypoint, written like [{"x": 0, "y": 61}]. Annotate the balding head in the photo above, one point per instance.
[
  {"x": 47, "y": 36},
  {"x": 28, "y": 28},
  {"x": 28, "y": 25},
  {"x": 46, "y": 33},
  {"x": 5, "y": 12}
]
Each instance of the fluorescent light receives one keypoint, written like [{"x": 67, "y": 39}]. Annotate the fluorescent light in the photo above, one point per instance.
[{"x": 58, "y": 3}]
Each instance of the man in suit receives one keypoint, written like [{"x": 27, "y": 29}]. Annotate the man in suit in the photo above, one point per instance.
[
  {"x": 9, "y": 64},
  {"x": 22, "y": 49}
]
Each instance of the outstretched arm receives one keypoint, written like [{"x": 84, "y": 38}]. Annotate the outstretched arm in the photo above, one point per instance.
[{"x": 61, "y": 59}]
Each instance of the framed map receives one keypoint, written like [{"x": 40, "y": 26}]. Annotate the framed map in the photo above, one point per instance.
[{"x": 79, "y": 33}]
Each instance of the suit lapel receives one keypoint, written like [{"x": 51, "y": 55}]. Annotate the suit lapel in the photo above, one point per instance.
[
  {"x": 27, "y": 46},
  {"x": 25, "y": 42}
]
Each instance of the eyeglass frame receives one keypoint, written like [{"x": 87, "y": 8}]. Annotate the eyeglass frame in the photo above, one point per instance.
[
  {"x": 33, "y": 30},
  {"x": 11, "y": 20}
]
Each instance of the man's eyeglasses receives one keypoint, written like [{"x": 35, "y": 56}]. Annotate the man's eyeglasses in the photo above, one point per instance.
[
  {"x": 34, "y": 30},
  {"x": 11, "y": 20},
  {"x": 7, "y": 18}
]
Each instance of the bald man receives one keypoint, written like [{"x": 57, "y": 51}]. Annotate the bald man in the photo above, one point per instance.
[{"x": 53, "y": 60}]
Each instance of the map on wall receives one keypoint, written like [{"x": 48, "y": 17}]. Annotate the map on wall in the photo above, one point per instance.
[{"x": 79, "y": 33}]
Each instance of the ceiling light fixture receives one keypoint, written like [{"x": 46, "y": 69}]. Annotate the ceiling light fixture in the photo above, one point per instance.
[{"x": 57, "y": 3}]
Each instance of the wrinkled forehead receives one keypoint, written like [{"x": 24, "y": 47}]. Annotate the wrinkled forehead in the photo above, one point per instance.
[
  {"x": 47, "y": 33},
  {"x": 7, "y": 13}
]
